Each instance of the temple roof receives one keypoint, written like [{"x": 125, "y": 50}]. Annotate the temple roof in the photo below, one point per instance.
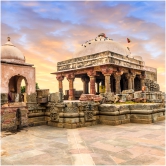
[{"x": 101, "y": 44}]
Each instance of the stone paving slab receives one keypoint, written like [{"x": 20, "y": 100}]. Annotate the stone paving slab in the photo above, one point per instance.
[{"x": 127, "y": 144}]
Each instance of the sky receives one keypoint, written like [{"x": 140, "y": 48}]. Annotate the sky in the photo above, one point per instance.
[{"x": 52, "y": 31}]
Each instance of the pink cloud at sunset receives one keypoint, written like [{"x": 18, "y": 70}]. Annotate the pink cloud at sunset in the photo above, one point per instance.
[{"x": 48, "y": 32}]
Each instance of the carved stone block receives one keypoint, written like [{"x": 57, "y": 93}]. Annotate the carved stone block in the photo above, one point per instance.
[
  {"x": 56, "y": 97},
  {"x": 31, "y": 97}
]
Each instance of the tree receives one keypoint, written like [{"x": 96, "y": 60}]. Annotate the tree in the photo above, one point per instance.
[
  {"x": 37, "y": 86},
  {"x": 22, "y": 89}
]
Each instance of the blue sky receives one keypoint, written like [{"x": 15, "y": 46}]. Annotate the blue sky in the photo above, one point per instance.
[{"x": 48, "y": 32}]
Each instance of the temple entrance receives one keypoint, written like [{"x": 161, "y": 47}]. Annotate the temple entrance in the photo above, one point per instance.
[{"x": 15, "y": 90}]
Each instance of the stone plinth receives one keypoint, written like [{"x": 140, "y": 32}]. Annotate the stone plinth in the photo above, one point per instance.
[{"x": 136, "y": 113}]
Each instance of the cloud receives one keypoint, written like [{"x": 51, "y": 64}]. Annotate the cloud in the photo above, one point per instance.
[{"x": 48, "y": 32}]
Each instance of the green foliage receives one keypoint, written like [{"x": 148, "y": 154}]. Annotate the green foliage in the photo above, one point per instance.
[
  {"x": 22, "y": 89},
  {"x": 37, "y": 86}
]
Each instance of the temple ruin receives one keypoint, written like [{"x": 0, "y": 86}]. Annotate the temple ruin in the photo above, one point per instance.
[
  {"x": 104, "y": 62},
  {"x": 117, "y": 88}
]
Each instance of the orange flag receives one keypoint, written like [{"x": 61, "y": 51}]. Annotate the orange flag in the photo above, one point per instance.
[{"x": 128, "y": 40}]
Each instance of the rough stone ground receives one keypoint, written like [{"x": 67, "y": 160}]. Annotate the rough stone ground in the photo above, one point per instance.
[{"x": 127, "y": 144}]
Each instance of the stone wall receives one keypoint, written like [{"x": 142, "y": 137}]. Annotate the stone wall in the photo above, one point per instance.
[
  {"x": 14, "y": 116},
  {"x": 73, "y": 114},
  {"x": 136, "y": 113}
]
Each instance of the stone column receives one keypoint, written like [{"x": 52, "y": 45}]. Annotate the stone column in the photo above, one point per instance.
[
  {"x": 132, "y": 80},
  {"x": 107, "y": 83},
  {"x": 128, "y": 76},
  {"x": 107, "y": 71},
  {"x": 92, "y": 74},
  {"x": 70, "y": 78},
  {"x": 60, "y": 78},
  {"x": 85, "y": 81},
  {"x": 117, "y": 77}
]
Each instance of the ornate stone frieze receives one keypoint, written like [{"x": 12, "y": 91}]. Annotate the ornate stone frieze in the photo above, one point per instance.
[
  {"x": 99, "y": 59},
  {"x": 89, "y": 112},
  {"x": 54, "y": 113},
  {"x": 106, "y": 70}
]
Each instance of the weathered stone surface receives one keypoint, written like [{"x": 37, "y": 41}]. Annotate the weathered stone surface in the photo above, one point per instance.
[
  {"x": 42, "y": 92},
  {"x": 128, "y": 91},
  {"x": 56, "y": 97},
  {"x": 4, "y": 98},
  {"x": 138, "y": 94},
  {"x": 108, "y": 107},
  {"x": 71, "y": 120},
  {"x": 109, "y": 96},
  {"x": 32, "y": 97},
  {"x": 12, "y": 117},
  {"x": 143, "y": 121}
]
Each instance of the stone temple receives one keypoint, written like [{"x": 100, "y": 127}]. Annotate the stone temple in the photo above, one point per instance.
[
  {"x": 106, "y": 62},
  {"x": 117, "y": 88}
]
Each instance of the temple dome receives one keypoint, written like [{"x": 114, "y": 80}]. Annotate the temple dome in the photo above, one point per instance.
[
  {"x": 10, "y": 53},
  {"x": 101, "y": 44}
]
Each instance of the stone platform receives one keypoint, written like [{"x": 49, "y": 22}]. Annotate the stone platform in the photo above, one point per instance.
[
  {"x": 127, "y": 144},
  {"x": 82, "y": 114},
  {"x": 75, "y": 114}
]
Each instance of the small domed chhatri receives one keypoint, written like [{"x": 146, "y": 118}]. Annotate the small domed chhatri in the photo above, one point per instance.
[
  {"x": 11, "y": 53},
  {"x": 14, "y": 69},
  {"x": 100, "y": 44}
]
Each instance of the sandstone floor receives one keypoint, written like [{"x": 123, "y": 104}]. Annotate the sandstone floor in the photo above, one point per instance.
[{"x": 127, "y": 144}]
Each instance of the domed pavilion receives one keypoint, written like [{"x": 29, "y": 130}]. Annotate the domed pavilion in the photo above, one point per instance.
[
  {"x": 104, "y": 63},
  {"x": 14, "y": 69}
]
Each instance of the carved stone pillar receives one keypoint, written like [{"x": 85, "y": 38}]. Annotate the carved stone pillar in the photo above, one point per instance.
[
  {"x": 107, "y": 83},
  {"x": 132, "y": 80},
  {"x": 128, "y": 76},
  {"x": 107, "y": 71},
  {"x": 85, "y": 81},
  {"x": 60, "y": 78},
  {"x": 70, "y": 77},
  {"x": 92, "y": 74},
  {"x": 117, "y": 77}
]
